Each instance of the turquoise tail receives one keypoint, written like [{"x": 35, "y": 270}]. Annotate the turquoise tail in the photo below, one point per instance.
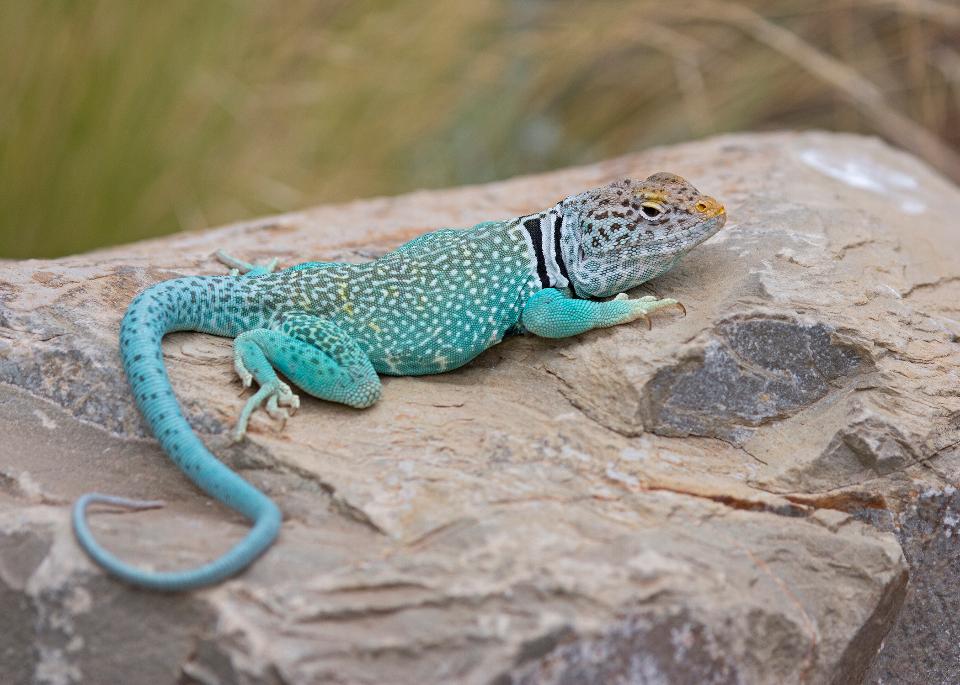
[{"x": 182, "y": 304}]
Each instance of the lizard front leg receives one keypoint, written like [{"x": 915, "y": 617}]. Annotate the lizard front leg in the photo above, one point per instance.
[
  {"x": 314, "y": 353},
  {"x": 551, "y": 314}
]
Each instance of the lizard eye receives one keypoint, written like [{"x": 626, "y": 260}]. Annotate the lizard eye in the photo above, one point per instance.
[{"x": 651, "y": 210}]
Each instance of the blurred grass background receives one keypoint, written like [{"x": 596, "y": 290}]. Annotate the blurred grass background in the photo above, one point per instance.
[{"x": 123, "y": 119}]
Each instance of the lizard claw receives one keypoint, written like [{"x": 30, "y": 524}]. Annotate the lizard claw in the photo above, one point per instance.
[
  {"x": 277, "y": 412},
  {"x": 646, "y": 305},
  {"x": 246, "y": 378},
  {"x": 270, "y": 396},
  {"x": 282, "y": 406},
  {"x": 291, "y": 402}
]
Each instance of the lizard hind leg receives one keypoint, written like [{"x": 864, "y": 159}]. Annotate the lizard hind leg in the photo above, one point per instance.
[
  {"x": 315, "y": 354},
  {"x": 239, "y": 267}
]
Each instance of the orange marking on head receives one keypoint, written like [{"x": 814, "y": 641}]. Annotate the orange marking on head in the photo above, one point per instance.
[{"x": 710, "y": 207}]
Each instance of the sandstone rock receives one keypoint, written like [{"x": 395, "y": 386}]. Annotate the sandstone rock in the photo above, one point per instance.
[{"x": 732, "y": 497}]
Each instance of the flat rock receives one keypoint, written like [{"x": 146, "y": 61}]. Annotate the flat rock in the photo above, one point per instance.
[{"x": 736, "y": 496}]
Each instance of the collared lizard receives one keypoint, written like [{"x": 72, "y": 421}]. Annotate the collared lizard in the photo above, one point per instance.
[{"x": 430, "y": 306}]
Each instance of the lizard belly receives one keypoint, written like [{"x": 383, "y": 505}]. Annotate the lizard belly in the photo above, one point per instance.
[{"x": 413, "y": 348}]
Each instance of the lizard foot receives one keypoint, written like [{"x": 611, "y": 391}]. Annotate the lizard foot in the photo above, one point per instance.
[
  {"x": 276, "y": 398},
  {"x": 240, "y": 267},
  {"x": 647, "y": 304}
]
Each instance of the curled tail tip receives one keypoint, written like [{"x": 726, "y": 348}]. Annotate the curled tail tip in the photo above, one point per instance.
[
  {"x": 260, "y": 537},
  {"x": 122, "y": 502}
]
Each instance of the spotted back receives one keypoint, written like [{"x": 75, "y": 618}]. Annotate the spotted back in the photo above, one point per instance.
[{"x": 620, "y": 235}]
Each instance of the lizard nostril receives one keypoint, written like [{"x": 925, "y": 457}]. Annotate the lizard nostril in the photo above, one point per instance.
[{"x": 710, "y": 207}]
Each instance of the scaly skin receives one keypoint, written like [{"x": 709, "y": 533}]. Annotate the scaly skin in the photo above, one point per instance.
[{"x": 428, "y": 307}]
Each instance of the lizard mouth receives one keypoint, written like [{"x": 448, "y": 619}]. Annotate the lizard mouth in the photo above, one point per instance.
[
  {"x": 718, "y": 220},
  {"x": 679, "y": 241},
  {"x": 708, "y": 227}
]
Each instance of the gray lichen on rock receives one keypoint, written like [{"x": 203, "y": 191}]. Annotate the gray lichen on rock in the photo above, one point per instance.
[{"x": 752, "y": 370}]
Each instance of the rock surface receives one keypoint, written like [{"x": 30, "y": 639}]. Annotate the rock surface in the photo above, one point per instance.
[{"x": 736, "y": 496}]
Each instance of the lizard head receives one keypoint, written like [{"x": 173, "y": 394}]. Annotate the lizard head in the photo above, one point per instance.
[{"x": 620, "y": 235}]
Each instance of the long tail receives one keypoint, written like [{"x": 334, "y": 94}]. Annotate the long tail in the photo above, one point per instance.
[{"x": 183, "y": 304}]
